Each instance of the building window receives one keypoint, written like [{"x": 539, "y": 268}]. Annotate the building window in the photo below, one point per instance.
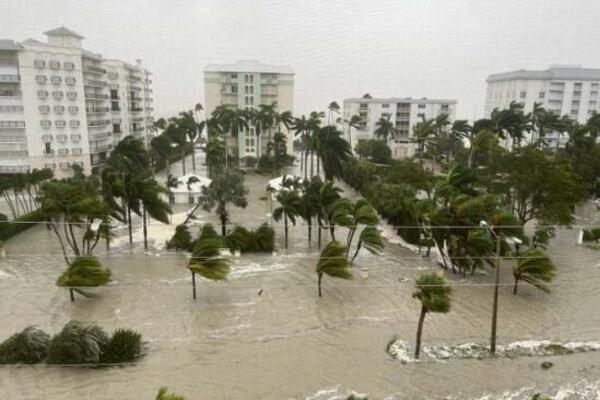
[
  {"x": 73, "y": 109},
  {"x": 50, "y": 166},
  {"x": 233, "y": 76},
  {"x": 57, "y": 95},
  {"x": 39, "y": 63},
  {"x": 116, "y": 128},
  {"x": 385, "y": 106},
  {"x": 48, "y": 148},
  {"x": 114, "y": 94},
  {"x": 523, "y": 94},
  {"x": 250, "y": 144},
  {"x": 70, "y": 80},
  {"x": 75, "y": 138},
  {"x": 44, "y": 109},
  {"x": 421, "y": 105},
  {"x": 69, "y": 66},
  {"x": 542, "y": 95},
  {"x": 53, "y": 64},
  {"x": 61, "y": 138},
  {"x": 46, "y": 123},
  {"x": 113, "y": 75},
  {"x": 59, "y": 109},
  {"x": 445, "y": 107},
  {"x": 41, "y": 79},
  {"x": 74, "y": 123},
  {"x": 61, "y": 123},
  {"x": 56, "y": 80},
  {"x": 71, "y": 95},
  {"x": 421, "y": 115},
  {"x": 77, "y": 151},
  {"x": 114, "y": 106},
  {"x": 63, "y": 152}
]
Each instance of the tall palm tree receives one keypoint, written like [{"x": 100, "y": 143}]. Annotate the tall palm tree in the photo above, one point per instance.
[
  {"x": 227, "y": 187},
  {"x": 370, "y": 238},
  {"x": 353, "y": 122},
  {"x": 289, "y": 209},
  {"x": 434, "y": 293},
  {"x": 233, "y": 121},
  {"x": 153, "y": 205},
  {"x": 193, "y": 130},
  {"x": 84, "y": 271},
  {"x": 422, "y": 131},
  {"x": 384, "y": 129},
  {"x": 334, "y": 108},
  {"x": 160, "y": 150},
  {"x": 314, "y": 125},
  {"x": 263, "y": 119},
  {"x": 333, "y": 262},
  {"x": 300, "y": 127},
  {"x": 351, "y": 215},
  {"x": 327, "y": 196},
  {"x": 207, "y": 262},
  {"x": 334, "y": 152},
  {"x": 460, "y": 131},
  {"x": 535, "y": 268}
]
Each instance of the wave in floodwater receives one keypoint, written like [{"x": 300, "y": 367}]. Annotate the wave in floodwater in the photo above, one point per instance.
[{"x": 401, "y": 351}]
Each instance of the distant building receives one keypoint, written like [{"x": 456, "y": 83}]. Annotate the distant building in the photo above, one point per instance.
[
  {"x": 562, "y": 89},
  {"x": 404, "y": 113},
  {"x": 246, "y": 85},
  {"x": 62, "y": 105}
]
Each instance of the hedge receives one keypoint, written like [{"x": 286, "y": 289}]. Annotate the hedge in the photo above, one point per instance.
[{"x": 12, "y": 228}]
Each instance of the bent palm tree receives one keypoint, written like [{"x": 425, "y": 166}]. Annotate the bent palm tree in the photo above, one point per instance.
[
  {"x": 369, "y": 238},
  {"x": 535, "y": 268},
  {"x": 333, "y": 262},
  {"x": 84, "y": 271},
  {"x": 207, "y": 262},
  {"x": 434, "y": 292}
]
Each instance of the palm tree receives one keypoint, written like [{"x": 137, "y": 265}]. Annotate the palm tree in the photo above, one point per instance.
[
  {"x": 333, "y": 151},
  {"x": 333, "y": 262},
  {"x": 327, "y": 199},
  {"x": 535, "y": 268},
  {"x": 434, "y": 293},
  {"x": 422, "y": 131},
  {"x": 160, "y": 148},
  {"x": 233, "y": 121},
  {"x": 207, "y": 262},
  {"x": 370, "y": 238},
  {"x": 334, "y": 108},
  {"x": 153, "y": 205},
  {"x": 215, "y": 155},
  {"x": 353, "y": 122},
  {"x": 460, "y": 130},
  {"x": 163, "y": 395},
  {"x": 351, "y": 215},
  {"x": 262, "y": 119},
  {"x": 289, "y": 209},
  {"x": 193, "y": 130},
  {"x": 227, "y": 187},
  {"x": 384, "y": 129},
  {"x": 300, "y": 127},
  {"x": 84, "y": 271}
]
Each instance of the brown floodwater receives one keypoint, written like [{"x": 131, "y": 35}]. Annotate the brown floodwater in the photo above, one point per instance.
[{"x": 288, "y": 343}]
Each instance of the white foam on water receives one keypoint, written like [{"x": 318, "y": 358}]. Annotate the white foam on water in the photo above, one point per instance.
[
  {"x": 4, "y": 274},
  {"x": 241, "y": 268}
]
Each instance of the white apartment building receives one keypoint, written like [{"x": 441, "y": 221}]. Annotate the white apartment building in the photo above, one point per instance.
[
  {"x": 245, "y": 85},
  {"x": 62, "y": 105},
  {"x": 563, "y": 89},
  {"x": 404, "y": 113}
]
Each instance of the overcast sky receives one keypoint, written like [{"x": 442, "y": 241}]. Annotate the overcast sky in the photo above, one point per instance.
[{"x": 338, "y": 48}]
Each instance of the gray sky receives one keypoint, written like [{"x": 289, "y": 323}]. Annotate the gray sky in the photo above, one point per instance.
[{"x": 338, "y": 48}]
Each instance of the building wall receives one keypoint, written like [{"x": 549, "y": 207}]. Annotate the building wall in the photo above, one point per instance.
[
  {"x": 403, "y": 113},
  {"x": 249, "y": 89},
  {"x": 74, "y": 122}
]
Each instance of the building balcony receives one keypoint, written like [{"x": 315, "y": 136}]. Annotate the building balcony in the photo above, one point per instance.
[
  {"x": 98, "y": 123},
  {"x": 94, "y": 149},
  {"x": 96, "y": 110},
  {"x": 10, "y": 78},
  {"x": 13, "y": 154},
  {"x": 136, "y": 88},
  {"x": 94, "y": 83},
  {"x": 94, "y": 70},
  {"x": 134, "y": 78},
  {"x": 136, "y": 109},
  {"x": 96, "y": 96},
  {"x": 137, "y": 129},
  {"x": 135, "y": 98},
  {"x": 12, "y": 124},
  {"x": 14, "y": 94},
  {"x": 101, "y": 136}
]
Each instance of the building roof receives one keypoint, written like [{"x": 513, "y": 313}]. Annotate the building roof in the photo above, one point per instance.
[
  {"x": 63, "y": 31},
  {"x": 558, "y": 72},
  {"x": 399, "y": 100},
  {"x": 7, "y": 44},
  {"x": 249, "y": 66}
]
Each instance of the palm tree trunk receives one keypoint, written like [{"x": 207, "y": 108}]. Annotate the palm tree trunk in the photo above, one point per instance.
[
  {"x": 420, "y": 332},
  {"x": 305, "y": 163},
  {"x": 285, "y": 228},
  {"x": 309, "y": 231},
  {"x": 318, "y": 165},
  {"x": 72, "y": 295},
  {"x": 320, "y": 277},
  {"x": 145, "y": 222},
  {"x": 312, "y": 163},
  {"x": 332, "y": 231},
  {"x": 515, "y": 287},
  {"x": 194, "y": 285},
  {"x": 223, "y": 226},
  {"x": 319, "y": 236},
  {"x": 129, "y": 225},
  {"x": 358, "y": 246},
  {"x": 183, "y": 159},
  {"x": 193, "y": 158}
]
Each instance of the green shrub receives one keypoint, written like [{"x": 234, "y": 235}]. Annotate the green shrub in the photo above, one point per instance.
[
  {"x": 17, "y": 226},
  {"x": 125, "y": 345},
  {"x": 77, "y": 344},
  {"x": 163, "y": 395},
  {"x": 591, "y": 235},
  {"x": 181, "y": 240},
  {"x": 208, "y": 232},
  {"x": 240, "y": 239},
  {"x": 29, "y": 346},
  {"x": 265, "y": 238},
  {"x": 85, "y": 271}
]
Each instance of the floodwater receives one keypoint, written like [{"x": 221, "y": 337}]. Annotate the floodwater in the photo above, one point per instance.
[{"x": 232, "y": 343}]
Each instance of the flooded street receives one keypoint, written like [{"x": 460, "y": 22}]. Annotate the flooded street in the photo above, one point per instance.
[{"x": 287, "y": 343}]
